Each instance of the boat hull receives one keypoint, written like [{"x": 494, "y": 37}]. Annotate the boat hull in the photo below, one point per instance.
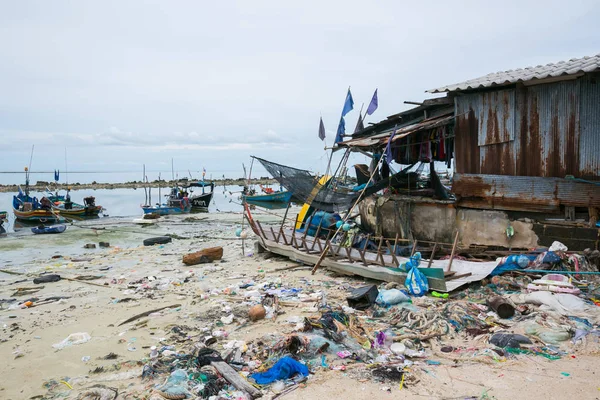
[
  {"x": 78, "y": 211},
  {"x": 280, "y": 197},
  {"x": 49, "y": 229},
  {"x": 201, "y": 201},
  {"x": 165, "y": 210},
  {"x": 36, "y": 216}
]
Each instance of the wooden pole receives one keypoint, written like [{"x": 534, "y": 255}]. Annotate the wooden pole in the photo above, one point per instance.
[
  {"x": 431, "y": 257},
  {"x": 453, "y": 251}
]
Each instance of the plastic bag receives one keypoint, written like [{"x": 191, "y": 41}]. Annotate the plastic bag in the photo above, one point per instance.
[
  {"x": 416, "y": 282},
  {"x": 390, "y": 297},
  {"x": 73, "y": 338},
  {"x": 177, "y": 384}
]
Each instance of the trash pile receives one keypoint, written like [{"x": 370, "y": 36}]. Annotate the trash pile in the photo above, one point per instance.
[{"x": 388, "y": 333}]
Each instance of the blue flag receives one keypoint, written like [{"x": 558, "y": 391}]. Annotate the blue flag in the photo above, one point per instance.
[
  {"x": 374, "y": 104},
  {"x": 348, "y": 106},
  {"x": 388, "y": 149},
  {"x": 56, "y": 175}
]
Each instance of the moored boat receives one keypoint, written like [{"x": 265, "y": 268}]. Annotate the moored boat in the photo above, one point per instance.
[
  {"x": 48, "y": 229},
  {"x": 27, "y": 208},
  {"x": 201, "y": 201},
  {"x": 65, "y": 207},
  {"x": 279, "y": 197},
  {"x": 3, "y": 218}
]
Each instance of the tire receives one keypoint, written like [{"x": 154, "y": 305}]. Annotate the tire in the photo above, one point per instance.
[{"x": 157, "y": 240}]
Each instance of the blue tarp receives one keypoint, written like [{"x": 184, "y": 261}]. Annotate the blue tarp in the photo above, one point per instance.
[
  {"x": 285, "y": 368},
  {"x": 323, "y": 218}
]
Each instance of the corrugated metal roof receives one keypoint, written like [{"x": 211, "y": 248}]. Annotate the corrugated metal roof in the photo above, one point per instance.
[
  {"x": 382, "y": 138},
  {"x": 562, "y": 68}
]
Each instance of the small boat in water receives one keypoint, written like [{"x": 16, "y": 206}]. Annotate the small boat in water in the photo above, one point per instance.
[
  {"x": 273, "y": 197},
  {"x": 65, "y": 207},
  {"x": 3, "y": 218},
  {"x": 176, "y": 203},
  {"x": 38, "y": 230},
  {"x": 201, "y": 201},
  {"x": 27, "y": 208}
]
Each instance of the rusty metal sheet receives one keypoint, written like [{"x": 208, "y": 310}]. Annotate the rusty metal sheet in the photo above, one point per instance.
[
  {"x": 589, "y": 136},
  {"x": 525, "y": 193},
  {"x": 496, "y": 117}
]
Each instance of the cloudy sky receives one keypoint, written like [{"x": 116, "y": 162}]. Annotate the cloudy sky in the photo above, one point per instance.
[{"x": 122, "y": 83}]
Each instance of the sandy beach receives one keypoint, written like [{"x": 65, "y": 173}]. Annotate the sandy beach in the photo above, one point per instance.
[{"x": 134, "y": 279}]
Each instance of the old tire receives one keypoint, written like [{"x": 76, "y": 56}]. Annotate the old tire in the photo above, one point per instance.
[{"x": 157, "y": 240}]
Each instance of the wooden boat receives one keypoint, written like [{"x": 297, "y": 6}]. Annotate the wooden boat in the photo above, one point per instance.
[
  {"x": 382, "y": 264},
  {"x": 3, "y": 218},
  {"x": 49, "y": 229},
  {"x": 201, "y": 201},
  {"x": 279, "y": 197},
  {"x": 174, "y": 205},
  {"x": 27, "y": 208},
  {"x": 63, "y": 206}
]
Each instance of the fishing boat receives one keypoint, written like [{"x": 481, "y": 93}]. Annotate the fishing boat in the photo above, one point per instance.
[
  {"x": 27, "y": 208},
  {"x": 201, "y": 201},
  {"x": 283, "y": 196},
  {"x": 38, "y": 230},
  {"x": 177, "y": 203},
  {"x": 65, "y": 207},
  {"x": 3, "y": 218}
]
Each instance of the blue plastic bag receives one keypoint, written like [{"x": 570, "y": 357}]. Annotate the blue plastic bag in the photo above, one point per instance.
[
  {"x": 283, "y": 369},
  {"x": 416, "y": 282}
]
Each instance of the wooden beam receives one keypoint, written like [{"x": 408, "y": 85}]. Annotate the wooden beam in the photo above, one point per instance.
[
  {"x": 414, "y": 248},
  {"x": 387, "y": 243},
  {"x": 432, "y": 254},
  {"x": 235, "y": 379},
  {"x": 379, "y": 255},
  {"x": 453, "y": 251}
]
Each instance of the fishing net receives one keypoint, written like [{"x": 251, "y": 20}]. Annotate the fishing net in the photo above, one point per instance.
[{"x": 306, "y": 188}]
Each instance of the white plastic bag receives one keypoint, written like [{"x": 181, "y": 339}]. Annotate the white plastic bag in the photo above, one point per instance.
[{"x": 73, "y": 338}]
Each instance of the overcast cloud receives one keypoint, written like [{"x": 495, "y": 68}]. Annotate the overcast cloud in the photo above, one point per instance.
[{"x": 121, "y": 83}]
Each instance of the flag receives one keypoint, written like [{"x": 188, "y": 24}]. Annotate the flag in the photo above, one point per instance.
[
  {"x": 388, "y": 149},
  {"x": 56, "y": 175},
  {"x": 340, "y": 131},
  {"x": 374, "y": 104},
  {"x": 359, "y": 124},
  {"x": 321, "y": 130},
  {"x": 348, "y": 106},
  {"x": 203, "y": 171}
]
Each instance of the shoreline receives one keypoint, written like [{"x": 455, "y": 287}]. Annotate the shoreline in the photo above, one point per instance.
[{"x": 40, "y": 186}]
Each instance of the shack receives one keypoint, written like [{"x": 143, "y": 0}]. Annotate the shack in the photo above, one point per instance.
[{"x": 521, "y": 147}]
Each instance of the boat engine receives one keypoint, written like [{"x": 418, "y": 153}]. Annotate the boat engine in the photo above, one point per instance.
[{"x": 89, "y": 201}]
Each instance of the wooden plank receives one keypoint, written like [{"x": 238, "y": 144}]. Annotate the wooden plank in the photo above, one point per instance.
[
  {"x": 275, "y": 237},
  {"x": 458, "y": 276},
  {"x": 379, "y": 255},
  {"x": 387, "y": 243},
  {"x": 432, "y": 254},
  {"x": 261, "y": 229},
  {"x": 414, "y": 248},
  {"x": 235, "y": 379},
  {"x": 284, "y": 238},
  {"x": 453, "y": 251}
]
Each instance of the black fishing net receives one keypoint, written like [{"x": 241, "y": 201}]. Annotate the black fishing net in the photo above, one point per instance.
[{"x": 306, "y": 188}]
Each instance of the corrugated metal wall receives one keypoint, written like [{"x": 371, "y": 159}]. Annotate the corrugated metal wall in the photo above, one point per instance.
[
  {"x": 549, "y": 130},
  {"x": 589, "y": 136}
]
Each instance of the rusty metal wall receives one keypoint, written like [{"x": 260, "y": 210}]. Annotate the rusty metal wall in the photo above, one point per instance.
[
  {"x": 530, "y": 193},
  {"x": 589, "y": 136},
  {"x": 531, "y": 131}
]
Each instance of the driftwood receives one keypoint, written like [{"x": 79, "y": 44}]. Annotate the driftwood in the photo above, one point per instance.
[
  {"x": 203, "y": 256},
  {"x": 11, "y": 272},
  {"x": 145, "y": 314},
  {"x": 235, "y": 379},
  {"x": 86, "y": 282}
]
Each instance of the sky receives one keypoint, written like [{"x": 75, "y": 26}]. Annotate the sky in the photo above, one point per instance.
[{"x": 119, "y": 84}]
